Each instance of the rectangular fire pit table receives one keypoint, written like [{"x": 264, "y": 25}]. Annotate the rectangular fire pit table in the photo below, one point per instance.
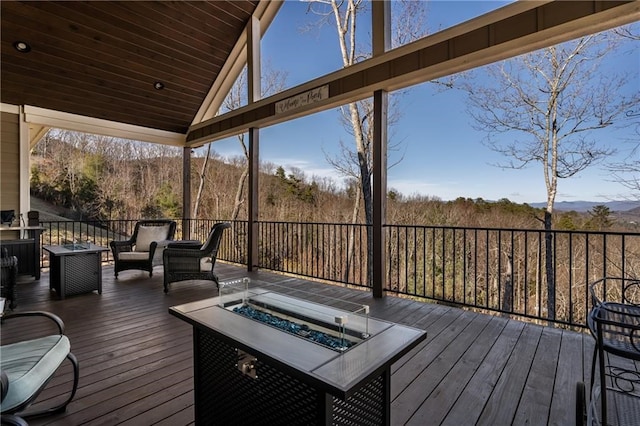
[
  {"x": 249, "y": 372},
  {"x": 75, "y": 268}
]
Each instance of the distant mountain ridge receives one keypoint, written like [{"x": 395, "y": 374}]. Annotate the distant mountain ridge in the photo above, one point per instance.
[{"x": 584, "y": 206}]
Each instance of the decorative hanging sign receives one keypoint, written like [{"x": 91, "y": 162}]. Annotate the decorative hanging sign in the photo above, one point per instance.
[{"x": 298, "y": 101}]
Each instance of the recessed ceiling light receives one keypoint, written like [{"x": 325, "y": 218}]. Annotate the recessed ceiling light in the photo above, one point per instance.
[
  {"x": 21, "y": 46},
  {"x": 158, "y": 85}
]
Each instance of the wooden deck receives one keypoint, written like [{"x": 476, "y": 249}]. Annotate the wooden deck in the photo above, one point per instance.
[{"x": 136, "y": 359}]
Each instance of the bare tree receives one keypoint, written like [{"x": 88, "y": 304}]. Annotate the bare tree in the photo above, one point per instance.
[
  {"x": 357, "y": 117},
  {"x": 544, "y": 108},
  {"x": 628, "y": 31},
  {"x": 627, "y": 171},
  {"x": 273, "y": 81},
  {"x": 201, "y": 180}
]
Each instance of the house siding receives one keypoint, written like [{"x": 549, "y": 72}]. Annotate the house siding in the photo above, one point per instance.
[{"x": 9, "y": 161}]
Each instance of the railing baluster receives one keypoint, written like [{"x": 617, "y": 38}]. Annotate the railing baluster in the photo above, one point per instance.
[{"x": 525, "y": 286}]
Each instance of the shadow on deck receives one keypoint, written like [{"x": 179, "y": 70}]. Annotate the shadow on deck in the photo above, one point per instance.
[{"x": 136, "y": 359}]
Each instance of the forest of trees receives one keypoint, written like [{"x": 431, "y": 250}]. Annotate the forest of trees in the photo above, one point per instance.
[{"x": 100, "y": 178}]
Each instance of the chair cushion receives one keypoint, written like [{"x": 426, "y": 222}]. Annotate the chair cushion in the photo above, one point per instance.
[
  {"x": 148, "y": 234},
  {"x": 205, "y": 264},
  {"x": 29, "y": 364},
  {"x": 133, "y": 255}
]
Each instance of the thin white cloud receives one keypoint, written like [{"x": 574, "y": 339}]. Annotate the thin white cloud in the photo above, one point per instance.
[
  {"x": 416, "y": 187},
  {"x": 309, "y": 168}
]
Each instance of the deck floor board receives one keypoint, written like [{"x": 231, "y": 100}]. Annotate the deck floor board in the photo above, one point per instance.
[
  {"x": 506, "y": 396},
  {"x": 469, "y": 405},
  {"x": 136, "y": 359},
  {"x": 436, "y": 408}
]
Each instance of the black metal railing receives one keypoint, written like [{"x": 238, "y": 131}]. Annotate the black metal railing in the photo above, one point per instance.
[
  {"x": 98, "y": 232},
  {"x": 102, "y": 232},
  {"x": 328, "y": 251},
  {"x": 233, "y": 246},
  {"x": 529, "y": 273}
]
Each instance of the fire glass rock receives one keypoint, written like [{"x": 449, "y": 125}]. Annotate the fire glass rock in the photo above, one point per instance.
[{"x": 301, "y": 330}]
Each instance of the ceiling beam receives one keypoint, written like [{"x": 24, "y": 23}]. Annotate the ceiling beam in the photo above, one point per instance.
[{"x": 515, "y": 29}]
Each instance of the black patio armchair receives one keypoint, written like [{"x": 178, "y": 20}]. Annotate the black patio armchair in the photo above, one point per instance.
[
  {"x": 193, "y": 261},
  {"x": 143, "y": 250}
]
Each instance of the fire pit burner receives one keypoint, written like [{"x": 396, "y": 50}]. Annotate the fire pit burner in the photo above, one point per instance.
[{"x": 302, "y": 330}]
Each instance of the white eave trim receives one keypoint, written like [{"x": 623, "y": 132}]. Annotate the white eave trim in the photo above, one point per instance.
[
  {"x": 8, "y": 108},
  {"x": 80, "y": 123},
  {"x": 265, "y": 13}
]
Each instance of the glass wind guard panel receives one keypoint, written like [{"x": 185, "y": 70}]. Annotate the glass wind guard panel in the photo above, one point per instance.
[
  {"x": 74, "y": 245},
  {"x": 333, "y": 323}
]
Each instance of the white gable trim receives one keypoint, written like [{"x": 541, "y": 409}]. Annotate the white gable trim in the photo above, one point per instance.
[{"x": 265, "y": 13}]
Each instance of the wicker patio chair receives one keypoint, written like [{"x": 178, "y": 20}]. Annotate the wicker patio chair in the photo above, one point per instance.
[
  {"x": 143, "y": 250},
  {"x": 189, "y": 261},
  {"x": 27, "y": 366},
  {"x": 9, "y": 273}
]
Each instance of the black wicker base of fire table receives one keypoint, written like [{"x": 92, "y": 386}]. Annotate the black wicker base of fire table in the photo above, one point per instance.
[{"x": 275, "y": 397}]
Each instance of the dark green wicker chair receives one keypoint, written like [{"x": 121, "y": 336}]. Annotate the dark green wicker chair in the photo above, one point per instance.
[
  {"x": 9, "y": 273},
  {"x": 193, "y": 261},
  {"x": 141, "y": 251}
]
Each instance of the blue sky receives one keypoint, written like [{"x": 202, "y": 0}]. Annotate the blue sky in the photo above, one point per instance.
[{"x": 442, "y": 156}]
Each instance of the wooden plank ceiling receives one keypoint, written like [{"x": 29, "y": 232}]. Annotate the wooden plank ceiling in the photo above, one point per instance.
[{"x": 102, "y": 58}]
